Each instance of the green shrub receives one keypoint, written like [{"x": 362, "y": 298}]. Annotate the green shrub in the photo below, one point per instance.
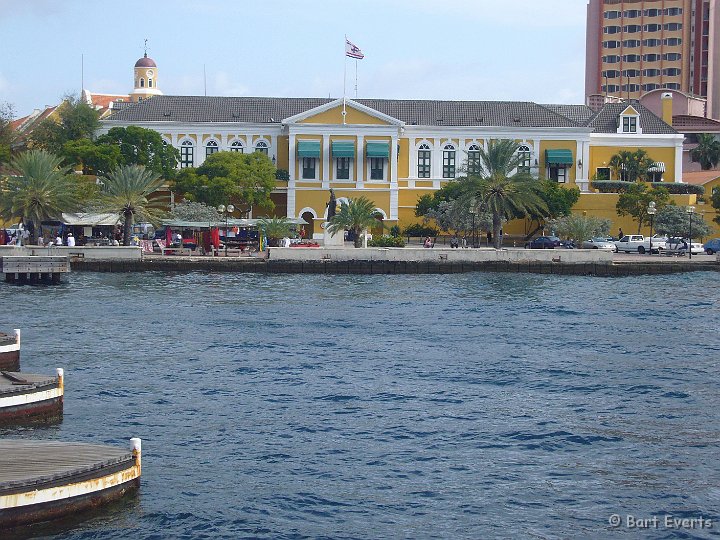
[
  {"x": 282, "y": 174},
  {"x": 416, "y": 229},
  {"x": 395, "y": 231},
  {"x": 386, "y": 241},
  {"x": 618, "y": 186}
]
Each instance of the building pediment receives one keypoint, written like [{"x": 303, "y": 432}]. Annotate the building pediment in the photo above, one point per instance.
[{"x": 338, "y": 113}]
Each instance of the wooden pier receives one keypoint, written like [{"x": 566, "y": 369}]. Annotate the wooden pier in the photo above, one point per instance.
[
  {"x": 27, "y": 398},
  {"x": 34, "y": 269},
  {"x": 10, "y": 351},
  {"x": 43, "y": 480}
]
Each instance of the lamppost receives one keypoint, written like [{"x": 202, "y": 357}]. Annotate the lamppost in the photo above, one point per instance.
[
  {"x": 690, "y": 211},
  {"x": 651, "y": 212},
  {"x": 226, "y": 210},
  {"x": 472, "y": 213}
]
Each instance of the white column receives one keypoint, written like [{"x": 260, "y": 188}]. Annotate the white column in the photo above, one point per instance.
[
  {"x": 325, "y": 162},
  {"x": 291, "y": 173},
  {"x": 436, "y": 163},
  {"x": 360, "y": 162},
  {"x": 678, "y": 161},
  {"x": 394, "y": 160}
]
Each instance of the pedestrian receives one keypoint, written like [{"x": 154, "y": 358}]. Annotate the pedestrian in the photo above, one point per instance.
[
  {"x": 489, "y": 238},
  {"x": 41, "y": 241},
  {"x": 620, "y": 234},
  {"x": 58, "y": 240},
  {"x": 70, "y": 240},
  {"x": 454, "y": 242},
  {"x": 428, "y": 242}
]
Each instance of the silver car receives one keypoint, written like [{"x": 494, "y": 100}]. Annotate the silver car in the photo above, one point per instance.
[{"x": 598, "y": 242}]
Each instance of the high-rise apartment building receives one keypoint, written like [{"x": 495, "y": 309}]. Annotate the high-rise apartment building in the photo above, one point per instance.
[{"x": 637, "y": 46}]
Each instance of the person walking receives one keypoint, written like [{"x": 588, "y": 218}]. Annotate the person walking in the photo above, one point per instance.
[
  {"x": 620, "y": 234},
  {"x": 70, "y": 240}
]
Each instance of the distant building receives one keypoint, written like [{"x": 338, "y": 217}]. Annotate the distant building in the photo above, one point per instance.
[{"x": 638, "y": 46}]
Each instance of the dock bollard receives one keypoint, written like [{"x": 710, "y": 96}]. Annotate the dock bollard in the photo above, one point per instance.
[
  {"x": 61, "y": 378},
  {"x": 136, "y": 447}
]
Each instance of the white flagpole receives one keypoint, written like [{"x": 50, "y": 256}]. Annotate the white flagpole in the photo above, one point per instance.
[
  {"x": 356, "y": 63},
  {"x": 344, "y": 113}
]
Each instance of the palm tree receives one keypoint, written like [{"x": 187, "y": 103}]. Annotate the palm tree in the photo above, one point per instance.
[
  {"x": 502, "y": 191},
  {"x": 707, "y": 151},
  {"x": 631, "y": 166},
  {"x": 41, "y": 190},
  {"x": 126, "y": 191},
  {"x": 275, "y": 228},
  {"x": 355, "y": 215}
]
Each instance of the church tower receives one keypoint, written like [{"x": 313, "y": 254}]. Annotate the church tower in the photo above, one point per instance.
[{"x": 146, "y": 77}]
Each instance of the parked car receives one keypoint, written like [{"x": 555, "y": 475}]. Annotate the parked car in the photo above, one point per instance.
[
  {"x": 544, "y": 242},
  {"x": 637, "y": 243},
  {"x": 712, "y": 246},
  {"x": 567, "y": 244},
  {"x": 680, "y": 246},
  {"x": 599, "y": 242}
]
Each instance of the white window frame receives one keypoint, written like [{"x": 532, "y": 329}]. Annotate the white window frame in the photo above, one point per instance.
[
  {"x": 237, "y": 146},
  {"x": 351, "y": 165},
  {"x": 190, "y": 144},
  {"x": 424, "y": 146},
  {"x": 369, "y": 170},
  {"x": 211, "y": 143}
]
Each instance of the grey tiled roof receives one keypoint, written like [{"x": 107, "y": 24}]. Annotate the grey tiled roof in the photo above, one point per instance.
[
  {"x": 577, "y": 113},
  {"x": 269, "y": 110},
  {"x": 606, "y": 120},
  {"x": 273, "y": 110}
]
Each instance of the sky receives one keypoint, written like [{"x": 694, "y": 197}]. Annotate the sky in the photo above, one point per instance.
[{"x": 520, "y": 50}]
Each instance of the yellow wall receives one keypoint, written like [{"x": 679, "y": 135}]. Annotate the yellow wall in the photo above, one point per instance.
[
  {"x": 282, "y": 152},
  {"x": 404, "y": 158},
  {"x": 600, "y": 157},
  {"x": 558, "y": 145}
]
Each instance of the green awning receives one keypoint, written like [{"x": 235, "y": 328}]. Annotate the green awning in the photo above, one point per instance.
[
  {"x": 558, "y": 157},
  {"x": 377, "y": 150},
  {"x": 308, "y": 149},
  {"x": 343, "y": 149}
]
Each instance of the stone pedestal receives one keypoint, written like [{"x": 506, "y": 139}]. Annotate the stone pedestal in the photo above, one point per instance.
[{"x": 333, "y": 240}]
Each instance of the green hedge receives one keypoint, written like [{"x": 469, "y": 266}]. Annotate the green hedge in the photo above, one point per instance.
[
  {"x": 386, "y": 241},
  {"x": 420, "y": 230},
  {"x": 675, "y": 188}
]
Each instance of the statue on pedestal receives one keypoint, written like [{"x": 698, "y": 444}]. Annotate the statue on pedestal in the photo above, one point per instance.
[{"x": 331, "y": 205}]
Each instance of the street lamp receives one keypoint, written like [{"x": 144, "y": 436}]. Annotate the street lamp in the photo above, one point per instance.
[
  {"x": 226, "y": 210},
  {"x": 472, "y": 213},
  {"x": 651, "y": 212},
  {"x": 690, "y": 211}
]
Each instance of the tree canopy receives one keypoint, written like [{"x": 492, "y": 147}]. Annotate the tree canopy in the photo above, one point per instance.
[
  {"x": 7, "y": 134},
  {"x": 355, "y": 215},
  {"x": 674, "y": 220},
  {"x": 631, "y": 166},
  {"x": 40, "y": 190},
  {"x": 126, "y": 192},
  {"x": 707, "y": 152},
  {"x": 195, "y": 211},
  {"x": 230, "y": 177},
  {"x": 122, "y": 146},
  {"x": 74, "y": 120},
  {"x": 579, "y": 227},
  {"x": 635, "y": 199}
]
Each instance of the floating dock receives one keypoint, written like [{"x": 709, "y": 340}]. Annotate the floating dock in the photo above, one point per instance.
[
  {"x": 43, "y": 480},
  {"x": 10, "y": 351},
  {"x": 27, "y": 398},
  {"x": 34, "y": 269}
]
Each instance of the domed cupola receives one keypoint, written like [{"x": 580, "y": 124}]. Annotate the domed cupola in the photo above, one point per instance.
[{"x": 146, "y": 78}]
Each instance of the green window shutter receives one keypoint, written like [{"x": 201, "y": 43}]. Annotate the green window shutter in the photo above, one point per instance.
[
  {"x": 343, "y": 149},
  {"x": 308, "y": 149},
  {"x": 377, "y": 150},
  {"x": 558, "y": 157}
]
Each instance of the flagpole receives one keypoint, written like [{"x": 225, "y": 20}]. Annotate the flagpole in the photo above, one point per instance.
[
  {"x": 356, "y": 63},
  {"x": 344, "y": 112}
]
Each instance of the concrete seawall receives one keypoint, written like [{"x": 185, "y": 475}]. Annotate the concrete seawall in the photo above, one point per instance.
[{"x": 444, "y": 266}]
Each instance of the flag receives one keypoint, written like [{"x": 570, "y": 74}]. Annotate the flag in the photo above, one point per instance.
[{"x": 353, "y": 51}]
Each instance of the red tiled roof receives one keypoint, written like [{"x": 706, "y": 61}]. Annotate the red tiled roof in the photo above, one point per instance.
[{"x": 700, "y": 178}]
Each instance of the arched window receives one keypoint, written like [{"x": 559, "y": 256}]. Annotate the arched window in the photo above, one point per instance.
[
  {"x": 424, "y": 161},
  {"x": 237, "y": 146},
  {"x": 524, "y": 155},
  {"x": 448, "y": 161},
  {"x": 211, "y": 147},
  {"x": 142, "y": 83},
  {"x": 187, "y": 154},
  {"x": 149, "y": 83},
  {"x": 261, "y": 146},
  {"x": 473, "y": 159}
]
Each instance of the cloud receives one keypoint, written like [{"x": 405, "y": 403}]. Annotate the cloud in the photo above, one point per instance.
[{"x": 223, "y": 85}]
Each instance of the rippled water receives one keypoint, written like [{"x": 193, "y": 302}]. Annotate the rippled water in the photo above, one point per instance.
[{"x": 462, "y": 406}]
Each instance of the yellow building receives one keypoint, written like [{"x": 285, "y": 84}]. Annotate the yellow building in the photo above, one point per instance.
[{"x": 395, "y": 151}]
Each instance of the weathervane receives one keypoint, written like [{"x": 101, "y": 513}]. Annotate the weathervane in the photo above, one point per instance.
[{"x": 146, "y": 47}]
